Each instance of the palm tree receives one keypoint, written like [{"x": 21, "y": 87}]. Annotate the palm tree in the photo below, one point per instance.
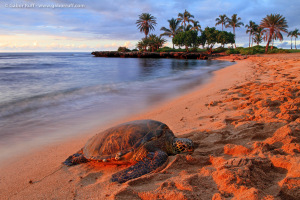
[
  {"x": 222, "y": 19},
  {"x": 257, "y": 35},
  {"x": 145, "y": 23},
  {"x": 143, "y": 44},
  {"x": 275, "y": 37},
  {"x": 234, "y": 23},
  {"x": 155, "y": 42},
  {"x": 174, "y": 28},
  {"x": 295, "y": 34},
  {"x": 196, "y": 26},
  {"x": 185, "y": 17},
  {"x": 273, "y": 25},
  {"x": 250, "y": 29},
  {"x": 290, "y": 34}
]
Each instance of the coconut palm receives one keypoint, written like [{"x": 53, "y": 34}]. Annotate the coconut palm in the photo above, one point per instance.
[
  {"x": 257, "y": 35},
  {"x": 250, "y": 29},
  {"x": 295, "y": 34},
  {"x": 222, "y": 19},
  {"x": 155, "y": 42},
  {"x": 273, "y": 25},
  {"x": 234, "y": 22},
  {"x": 174, "y": 28},
  {"x": 145, "y": 23},
  {"x": 290, "y": 34},
  {"x": 196, "y": 26},
  {"x": 143, "y": 44},
  {"x": 185, "y": 18},
  {"x": 275, "y": 37}
]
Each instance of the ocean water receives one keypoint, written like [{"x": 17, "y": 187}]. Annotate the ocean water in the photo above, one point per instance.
[{"x": 45, "y": 97}]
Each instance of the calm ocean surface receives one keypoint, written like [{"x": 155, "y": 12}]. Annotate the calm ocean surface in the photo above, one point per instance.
[{"x": 45, "y": 97}]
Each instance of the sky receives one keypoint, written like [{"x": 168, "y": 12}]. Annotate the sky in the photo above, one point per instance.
[{"x": 95, "y": 25}]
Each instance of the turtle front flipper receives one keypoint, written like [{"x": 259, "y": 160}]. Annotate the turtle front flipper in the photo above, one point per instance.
[
  {"x": 150, "y": 163},
  {"x": 75, "y": 159}
]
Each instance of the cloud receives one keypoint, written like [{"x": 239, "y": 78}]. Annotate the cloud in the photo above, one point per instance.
[{"x": 106, "y": 22}]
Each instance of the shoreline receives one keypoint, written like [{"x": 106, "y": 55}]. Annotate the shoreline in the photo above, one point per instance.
[
  {"x": 178, "y": 55},
  {"x": 166, "y": 89},
  {"x": 236, "y": 121}
]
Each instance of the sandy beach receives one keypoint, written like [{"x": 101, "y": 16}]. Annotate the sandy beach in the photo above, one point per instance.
[{"x": 246, "y": 127}]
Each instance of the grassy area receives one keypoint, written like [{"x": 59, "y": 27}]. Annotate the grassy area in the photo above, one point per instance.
[
  {"x": 168, "y": 49},
  {"x": 255, "y": 50},
  {"x": 239, "y": 50},
  {"x": 228, "y": 51},
  {"x": 294, "y": 50}
]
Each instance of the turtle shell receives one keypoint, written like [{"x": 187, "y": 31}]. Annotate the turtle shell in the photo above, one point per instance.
[{"x": 124, "y": 138}]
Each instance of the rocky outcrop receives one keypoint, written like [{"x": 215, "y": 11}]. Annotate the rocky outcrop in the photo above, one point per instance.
[{"x": 178, "y": 55}]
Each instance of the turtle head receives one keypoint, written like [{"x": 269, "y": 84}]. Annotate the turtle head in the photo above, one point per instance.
[{"x": 183, "y": 145}]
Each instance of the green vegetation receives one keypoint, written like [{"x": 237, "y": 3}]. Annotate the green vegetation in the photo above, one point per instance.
[
  {"x": 234, "y": 22},
  {"x": 251, "y": 30},
  {"x": 186, "y": 32},
  {"x": 168, "y": 49},
  {"x": 145, "y": 23},
  {"x": 272, "y": 26},
  {"x": 187, "y": 39},
  {"x": 257, "y": 35},
  {"x": 294, "y": 50},
  {"x": 295, "y": 34},
  {"x": 185, "y": 18},
  {"x": 153, "y": 43},
  {"x": 222, "y": 19},
  {"x": 123, "y": 49},
  {"x": 173, "y": 30},
  {"x": 254, "y": 50}
]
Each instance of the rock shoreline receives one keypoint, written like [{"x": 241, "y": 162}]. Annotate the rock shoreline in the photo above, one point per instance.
[{"x": 178, "y": 55}]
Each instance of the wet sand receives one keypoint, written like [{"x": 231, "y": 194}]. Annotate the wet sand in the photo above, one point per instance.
[{"x": 246, "y": 127}]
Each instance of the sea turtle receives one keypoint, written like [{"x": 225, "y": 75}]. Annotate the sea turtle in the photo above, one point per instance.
[{"x": 144, "y": 143}]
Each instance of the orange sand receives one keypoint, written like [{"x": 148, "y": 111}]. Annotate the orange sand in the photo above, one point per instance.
[{"x": 245, "y": 124}]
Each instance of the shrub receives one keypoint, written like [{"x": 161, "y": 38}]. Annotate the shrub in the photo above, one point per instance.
[
  {"x": 220, "y": 50},
  {"x": 165, "y": 49},
  {"x": 187, "y": 39},
  {"x": 168, "y": 49},
  {"x": 232, "y": 51},
  {"x": 123, "y": 49},
  {"x": 247, "y": 51},
  {"x": 278, "y": 51}
]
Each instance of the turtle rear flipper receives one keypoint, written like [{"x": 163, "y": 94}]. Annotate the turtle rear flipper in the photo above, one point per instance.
[
  {"x": 75, "y": 159},
  {"x": 150, "y": 163}
]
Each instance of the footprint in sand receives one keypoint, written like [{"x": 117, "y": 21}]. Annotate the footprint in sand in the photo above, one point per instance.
[{"x": 89, "y": 179}]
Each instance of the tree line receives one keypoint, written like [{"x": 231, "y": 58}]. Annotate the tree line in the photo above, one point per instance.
[{"x": 184, "y": 31}]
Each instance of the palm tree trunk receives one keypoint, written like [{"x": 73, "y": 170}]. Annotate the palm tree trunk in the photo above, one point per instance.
[
  {"x": 249, "y": 39},
  {"x": 222, "y": 26},
  {"x": 269, "y": 40},
  {"x": 234, "y": 37},
  {"x": 187, "y": 48},
  {"x": 291, "y": 43},
  {"x": 295, "y": 43}
]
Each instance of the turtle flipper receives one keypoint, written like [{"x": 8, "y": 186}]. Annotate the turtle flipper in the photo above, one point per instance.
[
  {"x": 75, "y": 159},
  {"x": 150, "y": 163}
]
